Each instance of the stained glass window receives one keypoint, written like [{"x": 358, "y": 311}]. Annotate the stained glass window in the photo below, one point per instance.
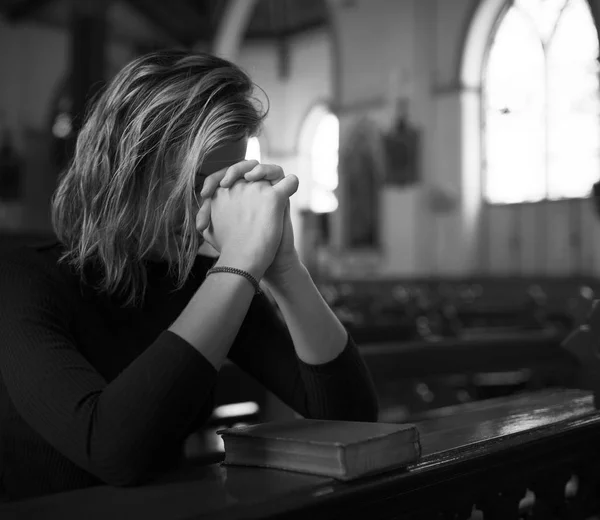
[{"x": 541, "y": 102}]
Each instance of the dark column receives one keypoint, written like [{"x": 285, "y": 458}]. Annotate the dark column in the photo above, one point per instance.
[{"x": 87, "y": 55}]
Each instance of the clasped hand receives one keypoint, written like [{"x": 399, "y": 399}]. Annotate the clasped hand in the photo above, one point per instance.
[{"x": 245, "y": 212}]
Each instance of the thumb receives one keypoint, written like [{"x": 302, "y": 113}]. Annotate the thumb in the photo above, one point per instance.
[
  {"x": 288, "y": 185},
  {"x": 203, "y": 215},
  {"x": 208, "y": 236}
]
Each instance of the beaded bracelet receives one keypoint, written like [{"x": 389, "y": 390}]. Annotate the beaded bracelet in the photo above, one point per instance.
[{"x": 240, "y": 272}]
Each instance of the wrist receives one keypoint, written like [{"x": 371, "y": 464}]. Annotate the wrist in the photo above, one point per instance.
[
  {"x": 239, "y": 272},
  {"x": 285, "y": 278},
  {"x": 243, "y": 262}
]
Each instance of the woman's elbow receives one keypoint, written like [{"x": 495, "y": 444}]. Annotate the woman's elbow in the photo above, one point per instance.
[{"x": 122, "y": 471}]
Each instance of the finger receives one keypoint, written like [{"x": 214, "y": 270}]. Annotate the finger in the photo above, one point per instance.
[
  {"x": 288, "y": 185},
  {"x": 203, "y": 216},
  {"x": 270, "y": 172},
  {"x": 211, "y": 183},
  {"x": 236, "y": 172}
]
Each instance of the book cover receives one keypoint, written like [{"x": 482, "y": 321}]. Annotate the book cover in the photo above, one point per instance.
[{"x": 338, "y": 449}]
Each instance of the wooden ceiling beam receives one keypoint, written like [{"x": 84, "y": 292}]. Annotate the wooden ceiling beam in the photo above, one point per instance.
[{"x": 232, "y": 27}]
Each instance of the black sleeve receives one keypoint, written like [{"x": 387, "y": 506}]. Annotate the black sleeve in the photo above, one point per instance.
[
  {"x": 340, "y": 389},
  {"x": 114, "y": 431}
]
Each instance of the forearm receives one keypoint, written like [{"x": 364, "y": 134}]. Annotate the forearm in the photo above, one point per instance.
[
  {"x": 317, "y": 333},
  {"x": 214, "y": 315},
  {"x": 309, "y": 362}
]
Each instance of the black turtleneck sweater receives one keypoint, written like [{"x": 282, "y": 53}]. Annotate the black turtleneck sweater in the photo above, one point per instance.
[{"x": 92, "y": 392}]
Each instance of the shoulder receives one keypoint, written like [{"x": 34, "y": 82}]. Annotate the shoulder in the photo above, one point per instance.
[
  {"x": 32, "y": 268},
  {"x": 37, "y": 256}
]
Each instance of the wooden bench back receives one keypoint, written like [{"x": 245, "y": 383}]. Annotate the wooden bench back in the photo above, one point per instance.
[{"x": 584, "y": 344}]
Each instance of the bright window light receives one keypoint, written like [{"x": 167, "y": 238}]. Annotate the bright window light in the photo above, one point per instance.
[
  {"x": 541, "y": 94},
  {"x": 323, "y": 201},
  {"x": 235, "y": 410},
  {"x": 253, "y": 149},
  {"x": 324, "y": 164}
]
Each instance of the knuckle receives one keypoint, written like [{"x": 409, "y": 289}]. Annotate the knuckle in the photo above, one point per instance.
[
  {"x": 245, "y": 165},
  {"x": 260, "y": 168},
  {"x": 234, "y": 173},
  {"x": 272, "y": 169},
  {"x": 276, "y": 198},
  {"x": 270, "y": 194},
  {"x": 265, "y": 185},
  {"x": 241, "y": 168},
  {"x": 231, "y": 169},
  {"x": 209, "y": 185}
]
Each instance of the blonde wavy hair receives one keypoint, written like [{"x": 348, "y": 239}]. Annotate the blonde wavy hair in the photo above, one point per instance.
[{"x": 133, "y": 175}]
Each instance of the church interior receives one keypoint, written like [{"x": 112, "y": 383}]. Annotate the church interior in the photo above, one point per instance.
[{"x": 448, "y": 210}]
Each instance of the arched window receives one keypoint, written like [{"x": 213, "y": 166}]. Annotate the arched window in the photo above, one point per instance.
[
  {"x": 318, "y": 147},
  {"x": 541, "y": 103},
  {"x": 253, "y": 149},
  {"x": 317, "y": 169},
  {"x": 324, "y": 152}
]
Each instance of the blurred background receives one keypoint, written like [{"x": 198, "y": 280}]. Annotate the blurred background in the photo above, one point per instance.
[{"x": 447, "y": 152}]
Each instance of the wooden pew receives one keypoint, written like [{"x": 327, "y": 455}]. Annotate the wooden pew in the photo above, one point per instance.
[
  {"x": 481, "y": 458},
  {"x": 384, "y": 308},
  {"x": 418, "y": 374},
  {"x": 584, "y": 346},
  {"x": 415, "y": 376}
]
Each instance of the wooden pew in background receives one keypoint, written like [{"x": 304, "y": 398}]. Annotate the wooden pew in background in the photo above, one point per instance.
[
  {"x": 583, "y": 344},
  {"x": 415, "y": 377},
  {"x": 434, "y": 342}
]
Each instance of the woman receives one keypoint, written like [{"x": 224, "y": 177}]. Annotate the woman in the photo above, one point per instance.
[{"x": 113, "y": 336}]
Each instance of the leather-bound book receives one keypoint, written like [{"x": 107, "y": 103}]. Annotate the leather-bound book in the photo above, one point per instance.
[{"x": 343, "y": 450}]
